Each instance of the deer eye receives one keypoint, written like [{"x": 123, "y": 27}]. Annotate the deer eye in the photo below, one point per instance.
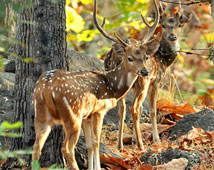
[
  {"x": 180, "y": 25},
  {"x": 130, "y": 59},
  {"x": 146, "y": 57},
  {"x": 163, "y": 26}
]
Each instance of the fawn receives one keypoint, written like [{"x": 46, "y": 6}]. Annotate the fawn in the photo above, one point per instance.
[
  {"x": 157, "y": 64},
  {"x": 81, "y": 99}
]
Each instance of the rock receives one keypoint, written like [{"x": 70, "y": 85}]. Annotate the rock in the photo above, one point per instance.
[
  {"x": 10, "y": 66},
  {"x": 175, "y": 164},
  {"x": 170, "y": 154},
  {"x": 82, "y": 156},
  {"x": 7, "y": 81},
  {"x": 82, "y": 61},
  {"x": 203, "y": 119}
]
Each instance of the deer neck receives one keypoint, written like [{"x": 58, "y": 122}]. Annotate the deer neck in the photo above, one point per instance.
[
  {"x": 168, "y": 51},
  {"x": 120, "y": 81}
]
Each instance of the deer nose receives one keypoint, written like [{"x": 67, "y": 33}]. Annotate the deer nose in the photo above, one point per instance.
[
  {"x": 144, "y": 72},
  {"x": 172, "y": 37}
]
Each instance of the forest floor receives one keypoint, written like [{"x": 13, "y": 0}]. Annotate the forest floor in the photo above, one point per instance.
[{"x": 195, "y": 141}]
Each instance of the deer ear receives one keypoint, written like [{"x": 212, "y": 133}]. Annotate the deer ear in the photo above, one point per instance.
[
  {"x": 185, "y": 18},
  {"x": 153, "y": 45},
  {"x": 152, "y": 48},
  {"x": 118, "y": 49}
]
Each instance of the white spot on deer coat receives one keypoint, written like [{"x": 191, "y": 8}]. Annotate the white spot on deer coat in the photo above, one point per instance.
[
  {"x": 69, "y": 108},
  {"x": 53, "y": 94},
  {"x": 35, "y": 110},
  {"x": 120, "y": 83}
]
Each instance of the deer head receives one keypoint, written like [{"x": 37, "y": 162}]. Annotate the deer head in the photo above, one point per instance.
[
  {"x": 146, "y": 47},
  {"x": 171, "y": 22},
  {"x": 172, "y": 26}
]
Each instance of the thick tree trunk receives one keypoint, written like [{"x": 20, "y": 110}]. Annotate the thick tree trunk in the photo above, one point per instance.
[{"x": 41, "y": 38}]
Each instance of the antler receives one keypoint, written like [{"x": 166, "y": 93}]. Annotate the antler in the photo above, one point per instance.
[
  {"x": 102, "y": 31},
  {"x": 120, "y": 40},
  {"x": 153, "y": 27},
  {"x": 161, "y": 8}
]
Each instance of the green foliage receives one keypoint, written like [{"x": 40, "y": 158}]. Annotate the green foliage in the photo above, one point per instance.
[
  {"x": 1, "y": 62},
  {"x": 6, "y": 126},
  {"x": 36, "y": 166},
  {"x": 5, "y": 130},
  {"x": 126, "y": 14},
  {"x": 200, "y": 83},
  {"x": 5, "y": 21}
]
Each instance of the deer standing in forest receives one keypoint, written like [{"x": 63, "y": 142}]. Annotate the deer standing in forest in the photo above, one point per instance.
[
  {"x": 81, "y": 99},
  {"x": 157, "y": 65}
]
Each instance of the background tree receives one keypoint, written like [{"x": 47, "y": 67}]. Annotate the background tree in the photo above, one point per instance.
[{"x": 41, "y": 46}]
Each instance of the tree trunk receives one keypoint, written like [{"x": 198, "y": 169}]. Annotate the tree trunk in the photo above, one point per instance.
[{"x": 41, "y": 43}]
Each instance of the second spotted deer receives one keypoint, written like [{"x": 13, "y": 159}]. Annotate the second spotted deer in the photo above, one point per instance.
[{"x": 166, "y": 54}]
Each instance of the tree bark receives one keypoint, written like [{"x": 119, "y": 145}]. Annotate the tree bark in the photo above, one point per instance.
[{"x": 41, "y": 40}]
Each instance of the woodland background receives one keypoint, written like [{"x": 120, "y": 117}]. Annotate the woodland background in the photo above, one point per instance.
[{"x": 189, "y": 83}]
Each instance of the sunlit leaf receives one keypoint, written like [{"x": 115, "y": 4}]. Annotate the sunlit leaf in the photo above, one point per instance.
[
  {"x": 86, "y": 2},
  {"x": 143, "y": 1},
  {"x": 180, "y": 58},
  {"x": 29, "y": 60},
  {"x": 87, "y": 35},
  {"x": 136, "y": 24},
  {"x": 209, "y": 36},
  {"x": 6, "y": 125},
  {"x": 71, "y": 37},
  {"x": 74, "y": 21}
]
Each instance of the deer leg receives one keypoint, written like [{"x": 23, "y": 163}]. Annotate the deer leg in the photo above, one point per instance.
[
  {"x": 65, "y": 149},
  {"x": 136, "y": 123},
  {"x": 97, "y": 121},
  {"x": 72, "y": 131},
  {"x": 153, "y": 91},
  {"x": 136, "y": 108},
  {"x": 88, "y": 140},
  {"x": 42, "y": 130},
  {"x": 122, "y": 114}
]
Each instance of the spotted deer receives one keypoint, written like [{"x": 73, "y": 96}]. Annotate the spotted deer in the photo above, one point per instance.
[
  {"x": 81, "y": 99},
  {"x": 166, "y": 54}
]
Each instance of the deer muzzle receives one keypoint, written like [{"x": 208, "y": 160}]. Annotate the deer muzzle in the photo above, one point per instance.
[
  {"x": 144, "y": 72},
  {"x": 172, "y": 37}
]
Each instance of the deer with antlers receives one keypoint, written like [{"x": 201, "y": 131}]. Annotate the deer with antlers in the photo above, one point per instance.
[
  {"x": 81, "y": 99},
  {"x": 166, "y": 54}
]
